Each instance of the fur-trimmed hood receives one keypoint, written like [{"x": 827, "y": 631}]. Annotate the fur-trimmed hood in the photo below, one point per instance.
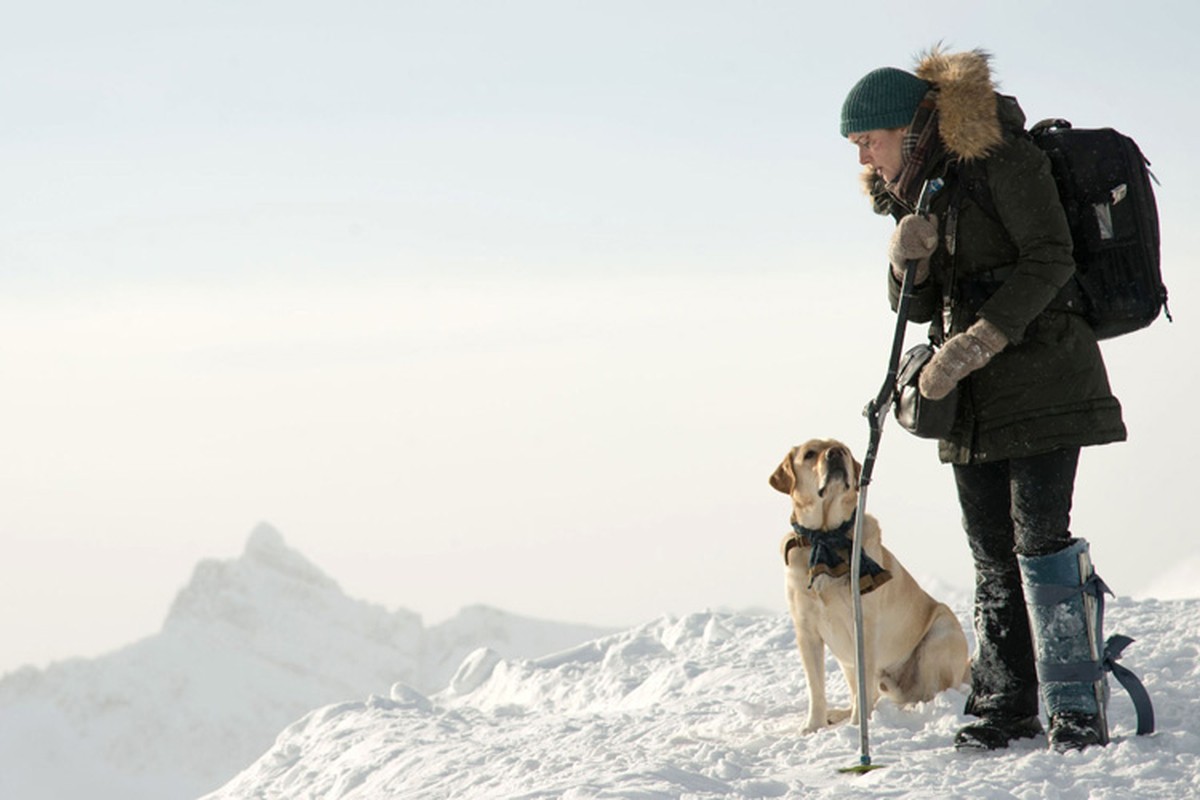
[{"x": 966, "y": 101}]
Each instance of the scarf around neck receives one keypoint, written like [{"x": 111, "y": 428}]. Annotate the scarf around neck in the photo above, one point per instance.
[
  {"x": 830, "y": 555},
  {"x": 922, "y": 148}
]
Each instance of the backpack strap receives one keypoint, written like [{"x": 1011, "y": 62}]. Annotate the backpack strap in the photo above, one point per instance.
[{"x": 939, "y": 328}]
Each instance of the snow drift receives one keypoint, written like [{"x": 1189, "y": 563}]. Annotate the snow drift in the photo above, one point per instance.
[
  {"x": 704, "y": 706},
  {"x": 709, "y": 706},
  {"x": 249, "y": 645}
]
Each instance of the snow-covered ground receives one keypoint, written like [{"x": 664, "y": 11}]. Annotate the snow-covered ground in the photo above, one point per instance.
[
  {"x": 710, "y": 706},
  {"x": 250, "y": 645},
  {"x": 364, "y": 703}
]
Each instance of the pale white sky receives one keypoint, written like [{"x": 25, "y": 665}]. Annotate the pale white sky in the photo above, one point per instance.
[{"x": 508, "y": 303}]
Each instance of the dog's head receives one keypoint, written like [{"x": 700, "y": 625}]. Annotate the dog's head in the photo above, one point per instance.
[{"x": 821, "y": 477}]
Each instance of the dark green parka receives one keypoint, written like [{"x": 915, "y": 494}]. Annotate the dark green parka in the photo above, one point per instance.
[{"x": 1048, "y": 388}]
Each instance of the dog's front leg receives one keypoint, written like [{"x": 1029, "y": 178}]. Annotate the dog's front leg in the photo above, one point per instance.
[{"x": 812, "y": 658}]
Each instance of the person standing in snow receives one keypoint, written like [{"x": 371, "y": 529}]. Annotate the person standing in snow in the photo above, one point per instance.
[{"x": 1032, "y": 386}]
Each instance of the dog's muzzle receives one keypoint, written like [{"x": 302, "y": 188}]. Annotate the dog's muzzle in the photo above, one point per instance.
[{"x": 835, "y": 467}]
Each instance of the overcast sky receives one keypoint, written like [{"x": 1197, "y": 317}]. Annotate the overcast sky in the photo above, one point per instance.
[{"x": 510, "y": 303}]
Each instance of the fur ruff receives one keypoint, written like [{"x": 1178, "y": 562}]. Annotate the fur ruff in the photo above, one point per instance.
[{"x": 966, "y": 104}]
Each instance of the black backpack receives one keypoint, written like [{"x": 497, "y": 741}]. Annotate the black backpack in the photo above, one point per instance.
[{"x": 1104, "y": 183}]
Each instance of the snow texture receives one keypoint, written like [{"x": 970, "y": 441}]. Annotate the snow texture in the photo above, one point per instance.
[
  {"x": 709, "y": 705},
  {"x": 248, "y": 647}
]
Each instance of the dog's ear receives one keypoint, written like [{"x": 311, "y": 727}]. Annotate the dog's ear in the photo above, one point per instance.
[{"x": 784, "y": 477}]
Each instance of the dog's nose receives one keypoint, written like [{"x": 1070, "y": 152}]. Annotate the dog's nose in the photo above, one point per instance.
[{"x": 835, "y": 455}]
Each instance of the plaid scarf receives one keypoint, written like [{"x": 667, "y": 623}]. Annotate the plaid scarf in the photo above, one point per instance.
[{"x": 922, "y": 147}]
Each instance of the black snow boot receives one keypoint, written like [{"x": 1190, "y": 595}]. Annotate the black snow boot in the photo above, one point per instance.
[
  {"x": 994, "y": 732},
  {"x": 1070, "y": 730}
]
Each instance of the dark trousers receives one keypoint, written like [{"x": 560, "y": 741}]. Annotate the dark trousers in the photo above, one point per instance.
[{"x": 1022, "y": 505}]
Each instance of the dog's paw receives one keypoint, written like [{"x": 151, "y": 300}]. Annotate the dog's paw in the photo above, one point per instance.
[
  {"x": 832, "y": 717},
  {"x": 837, "y": 715},
  {"x": 815, "y": 720}
]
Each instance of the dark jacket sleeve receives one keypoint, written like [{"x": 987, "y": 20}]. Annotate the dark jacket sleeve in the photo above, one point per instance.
[{"x": 1026, "y": 201}]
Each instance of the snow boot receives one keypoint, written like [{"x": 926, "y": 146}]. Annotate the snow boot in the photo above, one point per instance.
[
  {"x": 1064, "y": 598},
  {"x": 995, "y": 731}
]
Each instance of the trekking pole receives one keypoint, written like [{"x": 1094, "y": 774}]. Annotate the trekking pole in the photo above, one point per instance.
[{"x": 876, "y": 412}]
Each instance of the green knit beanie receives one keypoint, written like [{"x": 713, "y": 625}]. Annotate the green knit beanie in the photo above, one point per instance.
[{"x": 885, "y": 98}]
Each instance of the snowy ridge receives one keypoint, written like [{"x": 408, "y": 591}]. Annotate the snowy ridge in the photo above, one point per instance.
[
  {"x": 710, "y": 705},
  {"x": 249, "y": 646}
]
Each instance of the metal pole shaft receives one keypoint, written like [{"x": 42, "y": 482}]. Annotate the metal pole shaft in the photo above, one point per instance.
[
  {"x": 876, "y": 412},
  {"x": 860, "y": 657}
]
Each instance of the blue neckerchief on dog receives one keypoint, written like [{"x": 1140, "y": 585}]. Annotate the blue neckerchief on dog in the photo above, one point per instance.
[{"x": 830, "y": 553}]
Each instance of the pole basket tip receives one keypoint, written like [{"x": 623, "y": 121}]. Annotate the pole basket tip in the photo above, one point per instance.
[{"x": 861, "y": 769}]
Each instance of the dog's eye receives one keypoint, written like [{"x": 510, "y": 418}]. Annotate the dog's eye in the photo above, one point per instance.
[{"x": 810, "y": 454}]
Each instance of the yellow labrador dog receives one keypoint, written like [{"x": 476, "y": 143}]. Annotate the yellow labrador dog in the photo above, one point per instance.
[{"x": 914, "y": 646}]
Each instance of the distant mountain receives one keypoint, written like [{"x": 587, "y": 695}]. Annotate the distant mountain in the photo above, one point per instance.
[{"x": 249, "y": 645}]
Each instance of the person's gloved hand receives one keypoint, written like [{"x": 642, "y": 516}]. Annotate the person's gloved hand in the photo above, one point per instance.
[
  {"x": 959, "y": 357},
  {"x": 915, "y": 237}
]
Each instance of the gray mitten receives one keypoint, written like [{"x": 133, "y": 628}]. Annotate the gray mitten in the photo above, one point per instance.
[
  {"x": 959, "y": 357},
  {"x": 915, "y": 238}
]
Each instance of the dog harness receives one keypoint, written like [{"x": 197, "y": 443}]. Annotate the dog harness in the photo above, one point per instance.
[{"x": 829, "y": 554}]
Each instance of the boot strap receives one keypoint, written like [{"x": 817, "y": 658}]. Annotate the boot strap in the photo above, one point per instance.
[
  {"x": 1130, "y": 683},
  {"x": 1049, "y": 594},
  {"x": 1079, "y": 672}
]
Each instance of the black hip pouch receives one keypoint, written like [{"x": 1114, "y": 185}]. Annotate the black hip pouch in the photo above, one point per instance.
[{"x": 920, "y": 416}]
